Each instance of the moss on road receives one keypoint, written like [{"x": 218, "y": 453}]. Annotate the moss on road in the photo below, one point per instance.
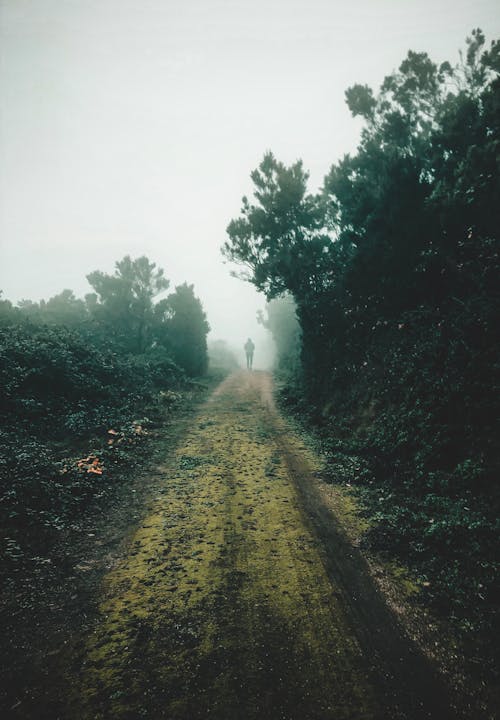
[{"x": 222, "y": 607}]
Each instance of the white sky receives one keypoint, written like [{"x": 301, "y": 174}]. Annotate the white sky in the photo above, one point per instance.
[{"x": 131, "y": 126}]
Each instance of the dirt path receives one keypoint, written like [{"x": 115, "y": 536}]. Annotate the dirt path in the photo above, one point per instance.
[{"x": 239, "y": 597}]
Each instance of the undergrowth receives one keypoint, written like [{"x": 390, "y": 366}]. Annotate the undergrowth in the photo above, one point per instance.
[
  {"x": 414, "y": 430},
  {"x": 74, "y": 415}
]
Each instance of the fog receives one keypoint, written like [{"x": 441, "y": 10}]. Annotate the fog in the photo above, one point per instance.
[{"x": 131, "y": 127}]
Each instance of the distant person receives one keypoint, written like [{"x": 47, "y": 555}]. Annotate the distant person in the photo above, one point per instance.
[{"x": 249, "y": 348}]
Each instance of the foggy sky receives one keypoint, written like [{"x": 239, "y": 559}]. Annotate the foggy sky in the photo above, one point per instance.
[{"x": 131, "y": 127}]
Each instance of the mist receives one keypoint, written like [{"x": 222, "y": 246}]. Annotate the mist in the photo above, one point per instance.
[{"x": 132, "y": 128}]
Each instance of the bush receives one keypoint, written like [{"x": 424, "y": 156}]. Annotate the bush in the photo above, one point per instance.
[{"x": 61, "y": 390}]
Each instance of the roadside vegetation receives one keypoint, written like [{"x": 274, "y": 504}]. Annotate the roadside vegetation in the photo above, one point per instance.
[
  {"x": 82, "y": 383},
  {"x": 383, "y": 300}
]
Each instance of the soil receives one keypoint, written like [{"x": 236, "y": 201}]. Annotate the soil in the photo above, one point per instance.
[{"x": 222, "y": 584}]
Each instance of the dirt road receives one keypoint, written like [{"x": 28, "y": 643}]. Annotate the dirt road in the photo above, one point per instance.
[{"x": 239, "y": 597}]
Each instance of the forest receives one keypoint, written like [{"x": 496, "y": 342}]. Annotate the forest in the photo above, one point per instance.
[
  {"x": 383, "y": 292},
  {"x": 80, "y": 383}
]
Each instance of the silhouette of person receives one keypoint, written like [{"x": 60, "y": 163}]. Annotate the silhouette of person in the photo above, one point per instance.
[{"x": 249, "y": 348}]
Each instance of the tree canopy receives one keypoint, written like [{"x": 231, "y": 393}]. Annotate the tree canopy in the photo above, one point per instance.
[
  {"x": 186, "y": 330},
  {"x": 125, "y": 300}
]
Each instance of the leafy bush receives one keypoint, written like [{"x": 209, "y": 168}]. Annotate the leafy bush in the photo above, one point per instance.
[{"x": 61, "y": 389}]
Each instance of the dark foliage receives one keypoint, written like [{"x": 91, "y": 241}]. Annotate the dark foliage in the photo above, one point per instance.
[
  {"x": 394, "y": 270},
  {"x": 77, "y": 377},
  {"x": 186, "y": 330},
  {"x": 61, "y": 392}
]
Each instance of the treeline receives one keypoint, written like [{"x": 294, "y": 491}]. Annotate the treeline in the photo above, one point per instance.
[
  {"x": 393, "y": 270},
  {"x": 124, "y": 310},
  {"x": 76, "y": 379}
]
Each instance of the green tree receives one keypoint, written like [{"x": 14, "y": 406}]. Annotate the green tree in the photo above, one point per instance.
[
  {"x": 285, "y": 244},
  {"x": 280, "y": 239},
  {"x": 424, "y": 173},
  {"x": 7, "y": 311},
  {"x": 125, "y": 300},
  {"x": 64, "y": 309},
  {"x": 186, "y": 329},
  {"x": 61, "y": 309}
]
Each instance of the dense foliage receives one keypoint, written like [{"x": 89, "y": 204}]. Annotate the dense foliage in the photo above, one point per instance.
[
  {"x": 186, "y": 331},
  {"x": 393, "y": 267},
  {"x": 77, "y": 376}
]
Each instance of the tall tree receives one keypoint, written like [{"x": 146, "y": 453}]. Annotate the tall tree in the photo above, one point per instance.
[
  {"x": 285, "y": 243},
  {"x": 125, "y": 300},
  {"x": 280, "y": 239},
  {"x": 186, "y": 330}
]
